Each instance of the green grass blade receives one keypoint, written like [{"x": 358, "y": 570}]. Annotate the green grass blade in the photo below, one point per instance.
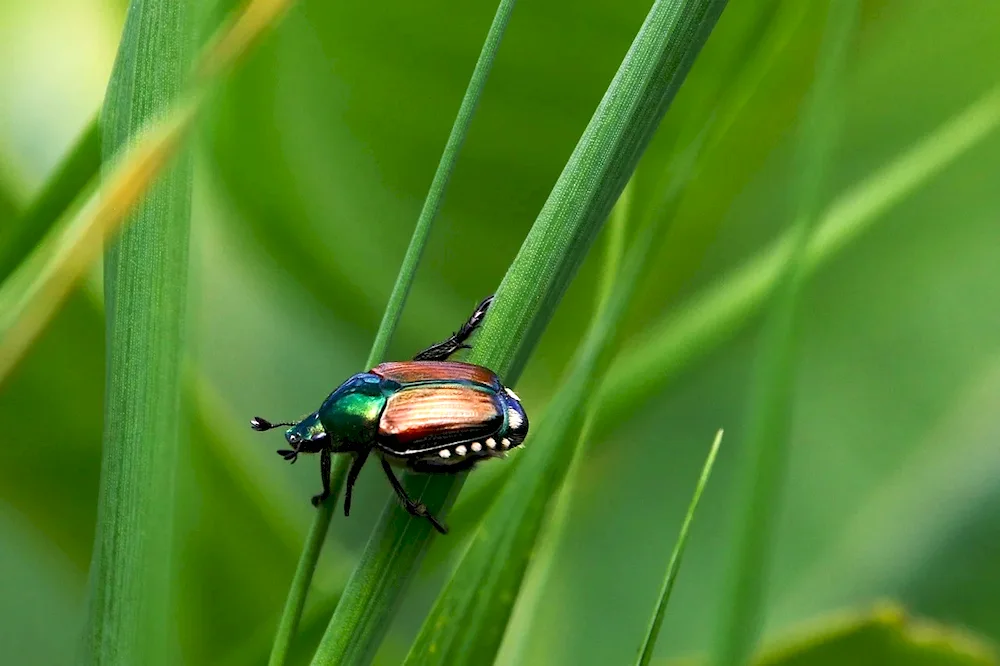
[
  {"x": 543, "y": 558},
  {"x": 145, "y": 297},
  {"x": 70, "y": 179},
  {"x": 295, "y": 602},
  {"x": 885, "y": 635},
  {"x": 770, "y": 402},
  {"x": 34, "y": 291},
  {"x": 446, "y": 165},
  {"x": 584, "y": 194},
  {"x": 145, "y": 286},
  {"x": 470, "y": 617},
  {"x": 649, "y": 644},
  {"x": 716, "y": 314}
]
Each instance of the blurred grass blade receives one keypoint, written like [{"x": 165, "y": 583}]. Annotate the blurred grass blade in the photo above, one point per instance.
[
  {"x": 961, "y": 444},
  {"x": 469, "y": 619},
  {"x": 884, "y": 636},
  {"x": 70, "y": 179},
  {"x": 237, "y": 36},
  {"x": 543, "y": 558},
  {"x": 715, "y": 315},
  {"x": 649, "y": 644},
  {"x": 584, "y": 194},
  {"x": 145, "y": 297},
  {"x": 30, "y": 296},
  {"x": 296, "y": 600},
  {"x": 34, "y": 292},
  {"x": 770, "y": 402},
  {"x": 614, "y": 248}
]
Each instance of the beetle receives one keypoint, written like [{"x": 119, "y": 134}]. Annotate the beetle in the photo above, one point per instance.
[{"x": 428, "y": 415}]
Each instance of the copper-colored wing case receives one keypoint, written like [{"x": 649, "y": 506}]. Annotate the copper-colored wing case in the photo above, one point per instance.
[
  {"x": 422, "y": 418},
  {"x": 415, "y": 372}
]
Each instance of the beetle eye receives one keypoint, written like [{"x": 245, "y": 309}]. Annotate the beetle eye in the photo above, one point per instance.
[{"x": 293, "y": 439}]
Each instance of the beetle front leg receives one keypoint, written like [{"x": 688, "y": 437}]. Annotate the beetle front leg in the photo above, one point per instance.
[
  {"x": 352, "y": 476},
  {"x": 324, "y": 470},
  {"x": 414, "y": 508}
]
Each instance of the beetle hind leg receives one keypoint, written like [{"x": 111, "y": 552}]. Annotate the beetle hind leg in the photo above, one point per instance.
[
  {"x": 443, "y": 350},
  {"x": 413, "y": 508}
]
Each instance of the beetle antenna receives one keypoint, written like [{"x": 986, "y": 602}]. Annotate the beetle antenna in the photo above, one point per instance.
[{"x": 260, "y": 425}]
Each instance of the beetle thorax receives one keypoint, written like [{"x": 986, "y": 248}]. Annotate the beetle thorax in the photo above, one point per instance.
[{"x": 351, "y": 413}]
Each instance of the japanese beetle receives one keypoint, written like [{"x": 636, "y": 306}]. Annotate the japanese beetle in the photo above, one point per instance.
[{"x": 429, "y": 415}]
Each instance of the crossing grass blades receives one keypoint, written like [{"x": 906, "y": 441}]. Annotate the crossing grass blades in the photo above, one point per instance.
[{"x": 430, "y": 415}]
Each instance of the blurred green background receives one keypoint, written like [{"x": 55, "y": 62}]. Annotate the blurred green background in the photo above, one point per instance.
[{"x": 311, "y": 169}]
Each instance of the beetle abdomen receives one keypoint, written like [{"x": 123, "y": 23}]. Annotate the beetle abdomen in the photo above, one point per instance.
[{"x": 418, "y": 419}]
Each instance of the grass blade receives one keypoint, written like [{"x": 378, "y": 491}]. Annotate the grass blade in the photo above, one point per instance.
[
  {"x": 649, "y": 644},
  {"x": 70, "y": 178},
  {"x": 884, "y": 635},
  {"x": 770, "y": 403},
  {"x": 469, "y": 618},
  {"x": 715, "y": 315},
  {"x": 589, "y": 185},
  {"x": 34, "y": 292},
  {"x": 36, "y": 289},
  {"x": 446, "y": 165},
  {"x": 145, "y": 285},
  {"x": 543, "y": 558},
  {"x": 145, "y": 297},
  {"x": 295, "y": 602}
]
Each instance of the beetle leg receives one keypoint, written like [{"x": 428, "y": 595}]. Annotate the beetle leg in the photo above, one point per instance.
[
  {"x": 352, "y": 476},
  {"x": 324, "y": 470},
  {"x": 414, "y": 508},
  {"x": 443, "y": 350}
]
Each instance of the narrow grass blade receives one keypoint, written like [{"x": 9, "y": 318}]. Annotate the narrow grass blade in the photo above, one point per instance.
[
  {"x": 470, "y": 617},
  {"x": 446, "y": 165},
  {"x": 584, "y": 194},
  {"x": 653, "y": 632},
  {"x": 295, "y": 602},
  {"x": 70, "y": 178},
  {"x": 145, "y": 297},
  {"x": 716, "y": 314},
  {"x": 30, "y": 296},
  {"x": 543, "y": 558},
  {"x": 770, "y": 402}
]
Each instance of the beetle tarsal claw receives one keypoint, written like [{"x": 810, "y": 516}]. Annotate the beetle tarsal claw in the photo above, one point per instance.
[{"x": 289, "y": 455}]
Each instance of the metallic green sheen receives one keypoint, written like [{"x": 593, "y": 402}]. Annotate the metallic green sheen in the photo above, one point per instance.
[
  {"x": 351, "y": 414},
  {"x": 308, "y": 429}
]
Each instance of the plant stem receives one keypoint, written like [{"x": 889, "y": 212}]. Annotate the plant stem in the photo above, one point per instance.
[
  {"x": 145, "y": 296},
  {"x": 673, "y": 567},
  {"x": 295, "y": 602}
]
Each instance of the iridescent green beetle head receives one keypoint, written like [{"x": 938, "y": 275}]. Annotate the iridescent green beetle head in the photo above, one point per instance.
[{"x": 306, "y": 436}]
